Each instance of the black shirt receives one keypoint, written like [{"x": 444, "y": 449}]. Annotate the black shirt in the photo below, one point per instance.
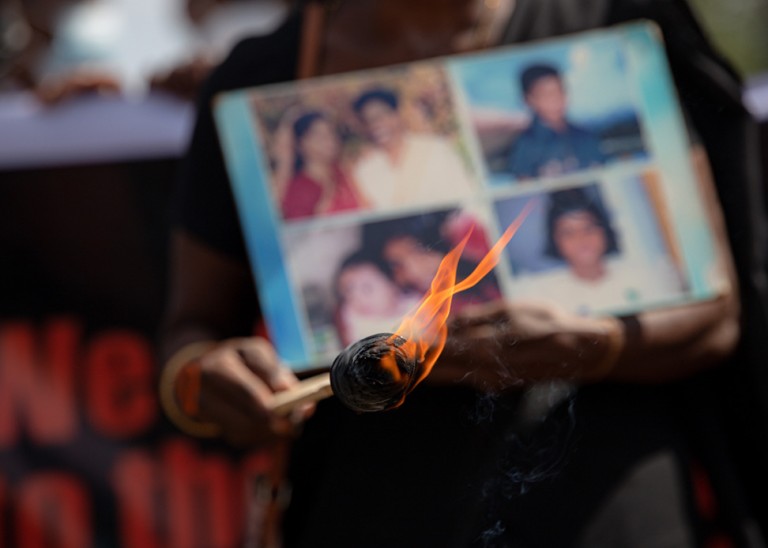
[{"x": 450, "y": 468}]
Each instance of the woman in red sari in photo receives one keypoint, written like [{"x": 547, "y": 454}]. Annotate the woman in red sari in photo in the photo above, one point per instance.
[{"x": 318, "y": 184}]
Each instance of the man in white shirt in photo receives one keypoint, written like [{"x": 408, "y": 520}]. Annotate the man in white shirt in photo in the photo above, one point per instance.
[{"x": 402, "y": 167}]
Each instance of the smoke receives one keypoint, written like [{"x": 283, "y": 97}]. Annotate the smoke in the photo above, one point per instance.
[
  {"x": 484, "y": 409},
  {"x": 535, "y": 440},
  {"x": 537, "y": 456},
  {"x": 488, "y": 537},
  {"x": 539, "y": 447}
]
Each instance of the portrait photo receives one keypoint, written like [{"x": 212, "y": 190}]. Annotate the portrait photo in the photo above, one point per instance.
[
  {"x": 551, "y": 111},
  {"x": 595, "y": 247},
  {"x": 361, "y": 279},
  {"x": 375, "y": 141}
]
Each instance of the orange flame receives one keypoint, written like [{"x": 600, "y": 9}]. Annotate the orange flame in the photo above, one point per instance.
[{"x": 425, "y": 329}]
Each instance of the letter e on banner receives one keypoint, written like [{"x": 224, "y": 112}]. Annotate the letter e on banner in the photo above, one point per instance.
[{"x": 120, "y": 391}]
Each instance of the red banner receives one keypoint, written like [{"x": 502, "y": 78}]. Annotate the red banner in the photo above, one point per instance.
[{"x": 86, "y": 456}]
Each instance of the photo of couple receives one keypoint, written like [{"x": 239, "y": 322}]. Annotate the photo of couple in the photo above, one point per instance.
[
  {"x": 372, "y": 275},
  {"x": 365, "y": 144}
]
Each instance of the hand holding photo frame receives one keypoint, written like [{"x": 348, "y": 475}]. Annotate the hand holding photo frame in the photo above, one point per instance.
[{"x": 351, "y": 188}]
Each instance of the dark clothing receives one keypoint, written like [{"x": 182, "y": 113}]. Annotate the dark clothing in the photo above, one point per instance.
[
  {"x": 206, "y": 208},
  {"x": 540, "y": 151},
  {"x": 450, "y": 468}
]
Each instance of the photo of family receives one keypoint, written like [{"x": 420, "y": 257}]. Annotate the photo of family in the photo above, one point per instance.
[
  {"x": 552, "y": 111},
  {"x": 359, "y": 280},
  {"x": 594, "y": 248},
  {"x": 370, "y": 142}
]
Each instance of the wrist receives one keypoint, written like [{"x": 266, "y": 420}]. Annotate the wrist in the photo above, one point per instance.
[{"x": 179, "y": 390}]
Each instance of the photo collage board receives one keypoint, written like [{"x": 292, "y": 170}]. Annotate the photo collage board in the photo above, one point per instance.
[{"x": 352, "y": 188}]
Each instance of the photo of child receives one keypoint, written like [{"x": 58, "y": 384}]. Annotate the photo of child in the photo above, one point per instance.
[
  {"x": 368, "y": 300},
  {"x": 593, "y": 248},
  {"x": 560, "y": 110},
  {"x": 551, "y": 144},
  {"x": 413, "y": 247}
]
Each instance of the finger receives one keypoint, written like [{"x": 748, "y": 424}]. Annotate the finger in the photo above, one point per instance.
[
  {"x": 225, "y": 374},
  {"x": 261, "y": 358},
  {"x": 239, "y": 429},
  {"x": 301, "y": 413},
  {"x": 239, "y": 403},
  {"x": 234, "y": 380}
]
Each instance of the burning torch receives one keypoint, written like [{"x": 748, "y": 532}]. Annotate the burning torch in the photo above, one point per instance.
[{"x": 378, "y": 372}]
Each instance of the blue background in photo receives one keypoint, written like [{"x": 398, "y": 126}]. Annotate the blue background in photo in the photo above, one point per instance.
[
  {"x": 525, "y": 252},
  {"x": 594, "y": 70}
]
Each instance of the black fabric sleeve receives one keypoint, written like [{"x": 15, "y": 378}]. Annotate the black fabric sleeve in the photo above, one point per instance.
[
  {"x": 711, "y": 95},
  {"x": 204, "y": 206}
]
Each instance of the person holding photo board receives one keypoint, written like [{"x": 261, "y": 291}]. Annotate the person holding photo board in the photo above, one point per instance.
[{"x": 384, "y": 480}]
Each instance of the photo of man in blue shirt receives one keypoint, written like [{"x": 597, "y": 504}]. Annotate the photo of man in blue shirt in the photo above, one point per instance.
[{"x": 551, "y": 145}]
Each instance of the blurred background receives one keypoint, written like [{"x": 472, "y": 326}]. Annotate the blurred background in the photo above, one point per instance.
[{"x": 96, "y": 108}]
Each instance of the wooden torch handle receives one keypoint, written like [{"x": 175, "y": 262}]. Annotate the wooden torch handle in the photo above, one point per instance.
[{"x": 309, "y": 390}]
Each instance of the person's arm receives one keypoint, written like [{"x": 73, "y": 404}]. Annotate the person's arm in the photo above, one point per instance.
[
  {"x": 217, "y": 377},
  {"x": 677, "y": 342},
  {"x": 237, "y": 376},
  {"x": 506, "y": 344}
]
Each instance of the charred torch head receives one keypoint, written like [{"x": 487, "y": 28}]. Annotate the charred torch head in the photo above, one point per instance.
[{"x": 374, "y": 373}]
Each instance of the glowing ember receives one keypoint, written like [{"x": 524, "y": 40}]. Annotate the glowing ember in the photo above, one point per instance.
[{"x": 378, "y": 372}]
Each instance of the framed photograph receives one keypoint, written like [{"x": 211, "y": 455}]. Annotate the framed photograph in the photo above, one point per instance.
[{"x": 352, "y": 188}]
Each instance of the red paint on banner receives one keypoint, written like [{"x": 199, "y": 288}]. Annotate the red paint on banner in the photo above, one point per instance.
[
  {"x": 204, "y": 501},
  {"x": 53, "y": 511},
  {"x": 168, "y": 493},
  {"x": 177, "y": 497},
  {"x": 120, "y": 391},
  {"x": 135, "y": 482},
  {"x": 3, "y": 502}
]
